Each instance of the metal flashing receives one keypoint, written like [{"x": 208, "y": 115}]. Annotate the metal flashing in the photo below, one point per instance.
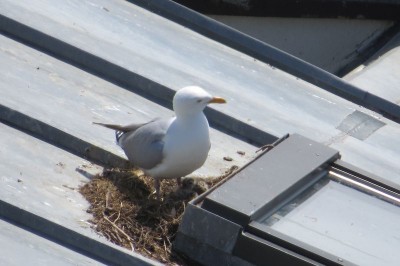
[
  {"x": 269, "y": 180},
  {"x": 219, "y": 221},
  {"x": 255, "y": 249},
  {"x": 258, "y": 242},
  {"x": 206, "y": 238},
  {"x": 333, "y": 220}
]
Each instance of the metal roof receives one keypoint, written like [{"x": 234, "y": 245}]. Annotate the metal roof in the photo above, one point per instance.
[
  {"x": 69, "y": 63},
  {"x": 380, "y": 75},
  {"x": 42, "y": 210},
  {"x": 302, "y": 207},
  {"x": 35, "y": 250}
]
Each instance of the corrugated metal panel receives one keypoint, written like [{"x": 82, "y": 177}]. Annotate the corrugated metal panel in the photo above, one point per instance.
[
  {"x": 39, "y": 193},
  {"x": 137, "y": 66},
  {"x": 261, "y": 96},
  {"x": 79, "y": 98},
  {"x": 21, "y": 247},
  {"x": 270, "y": 55}
]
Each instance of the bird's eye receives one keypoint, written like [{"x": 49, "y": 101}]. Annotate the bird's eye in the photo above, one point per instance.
[{"x": 199, "y": 101}]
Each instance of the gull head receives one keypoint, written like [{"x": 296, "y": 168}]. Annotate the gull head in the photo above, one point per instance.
[{"x": 192, "y": 100}]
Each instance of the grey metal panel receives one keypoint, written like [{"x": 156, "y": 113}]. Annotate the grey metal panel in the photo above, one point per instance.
[
  {"x": 341, "y": 221},
  {"x": 59, "y": 138},
  {"x": 207, "y": 238},
  {"x": 381, "y": 76},
  {"x": 274, "y": 177},
  {"x": 206, "y": 227},
  {"x": 112, "y": 31},
  {"x": 21, "y": 247},
  {"x": 68, "y": 99},
  {"x": 257, "y": 250},
  {"x": 39, "y": 190},
  {"x": 214, "y": 225},
  {"x": 42, "y": 178},
  {"x": 268, "y": 100},
  {"x": 88, "y": 245},
  {"x": 213, "y": 240},
  {"x": 271, "y": 55},
  {"x": 118, "y": 75},
  {"x": 262, "y": 233},
  {"x": 381, "y": 149}
]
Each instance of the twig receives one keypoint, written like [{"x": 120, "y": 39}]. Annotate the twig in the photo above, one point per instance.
[
  {"x": 119, "y": 213},
  {"x": 169, "y": 242},
  {"x": 265, "y": 147},
  {"x": 119, "y": 230},
  {"x": 107, "y": 198},
  {"x": 132, "y": 247},
  {"x": 165, "y": 246},
  {"x": 268, "y": 147},
  {"x": 148, "y": 252}
]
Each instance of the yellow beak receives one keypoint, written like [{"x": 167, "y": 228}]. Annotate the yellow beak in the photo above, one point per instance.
[{"x": 217, "y": 100}]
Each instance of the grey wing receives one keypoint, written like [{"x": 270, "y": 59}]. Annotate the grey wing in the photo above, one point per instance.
[
  {"x": 144, "y": 146},
  {"x": 122, "y": 130},
  {"x": 126, "y": 130},
  {"x": 131, "y": 127}
]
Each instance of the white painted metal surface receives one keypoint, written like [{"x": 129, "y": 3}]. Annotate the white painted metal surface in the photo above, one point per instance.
[
  {"x": 43, "y": 180},
  {"x": 21, "y": 247},
  {"x": 70, "y": 99}
]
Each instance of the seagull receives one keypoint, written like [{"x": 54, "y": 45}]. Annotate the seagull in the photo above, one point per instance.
[{"x": 170, "y": 147}]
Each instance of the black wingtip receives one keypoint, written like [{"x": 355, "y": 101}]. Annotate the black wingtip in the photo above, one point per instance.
[{"x": 118, "y": 135}]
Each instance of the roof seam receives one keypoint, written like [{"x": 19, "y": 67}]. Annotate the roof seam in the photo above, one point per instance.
[
  {"x": 124, "y": 78},
  {"x": 270, "y": 55},
  {"x": 59, "y": 138},
  {"x": 67, "y": 237}
]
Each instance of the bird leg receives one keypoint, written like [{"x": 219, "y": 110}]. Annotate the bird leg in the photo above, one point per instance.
[
  {"x": 179, "y": 181},
  {"x": 157, "y": 191},
  {"x": 157, "y": 186}
]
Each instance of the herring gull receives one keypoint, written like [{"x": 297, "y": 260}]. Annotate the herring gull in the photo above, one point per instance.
[{"x": 170, "y": 147}]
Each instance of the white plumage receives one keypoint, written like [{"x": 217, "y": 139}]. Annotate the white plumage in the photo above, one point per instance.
[{"x": 173, "y": 147}]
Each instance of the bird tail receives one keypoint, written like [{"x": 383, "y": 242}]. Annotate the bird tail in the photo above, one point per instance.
[
  {"x": 112, "y": 126},
  {"x": 119, "y": 130}
]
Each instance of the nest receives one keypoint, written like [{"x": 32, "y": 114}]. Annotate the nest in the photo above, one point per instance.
[{"x": 127, "y": 213}]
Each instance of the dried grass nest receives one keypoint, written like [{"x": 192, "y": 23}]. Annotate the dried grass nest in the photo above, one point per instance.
[{"x": 127, "y": 213}]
